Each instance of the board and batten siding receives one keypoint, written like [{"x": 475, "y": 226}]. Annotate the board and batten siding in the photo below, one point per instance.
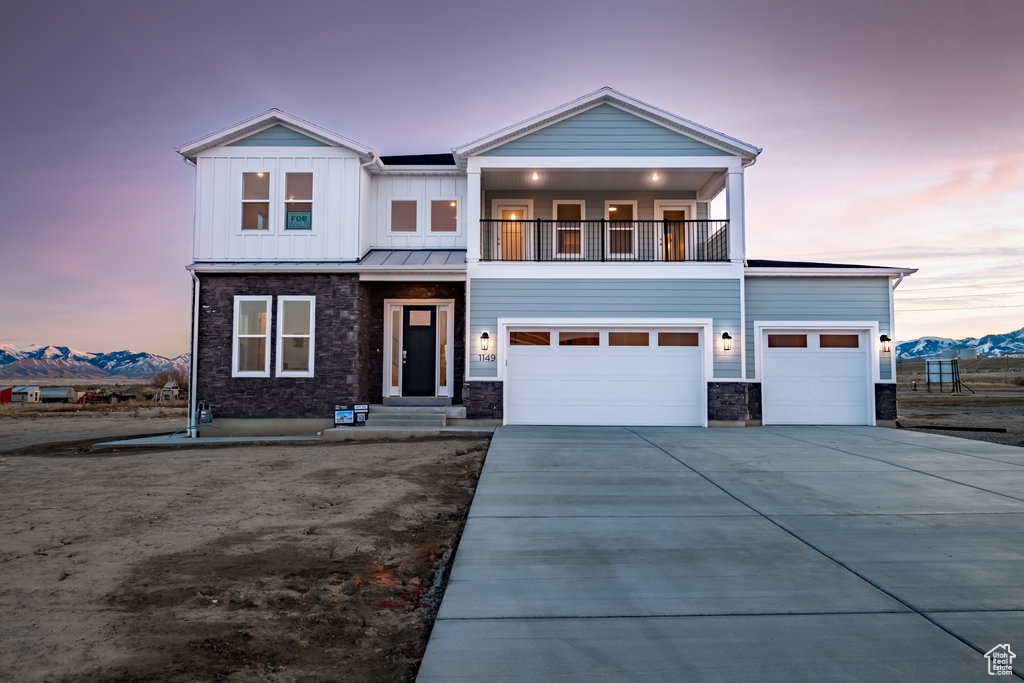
[
  {"x": 334, "y": 235},
  {"x": 424, "y": 190},
  {"x": 565, "y": 299},
  {"x": 277, "y": 136},
  {"x": 604, "y": 130},
  {"x": 820, "y": 299},
  {"x": 543, "y": 202}
]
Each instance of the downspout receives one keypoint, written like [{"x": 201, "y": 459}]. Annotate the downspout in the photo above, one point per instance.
[{"x": 193, "y": 389}]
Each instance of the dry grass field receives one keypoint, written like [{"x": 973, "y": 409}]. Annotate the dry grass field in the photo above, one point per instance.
[{"x": 993, "y": 399}]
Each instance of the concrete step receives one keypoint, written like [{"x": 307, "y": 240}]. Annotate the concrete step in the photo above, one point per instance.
[
  {"x": 416, "y": 401},
  {"x": 406, "y": 421}
]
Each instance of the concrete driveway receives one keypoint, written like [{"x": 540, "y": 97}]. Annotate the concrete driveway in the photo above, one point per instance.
[{"x": 766, "y": 554}]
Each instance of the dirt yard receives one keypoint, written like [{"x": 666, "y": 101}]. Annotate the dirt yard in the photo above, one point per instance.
[
  {"x": 272, "y": 563},
  {"x": 994, "y": 400}
]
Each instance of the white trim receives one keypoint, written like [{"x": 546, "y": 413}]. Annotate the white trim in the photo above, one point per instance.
[
  {"x": 626, "y": 270},
  {"x": 610, "y": 96},
  {"x": 390, "y": 207},
  {"x": 702, "y": 325},
  {"x": 391, "y": 305},
  {"x": 870, "y": 327},
  {"x": 268, "y": 303},
  {"x": 608, "y": 228},
  {"x": 280, "y": 336},
  {"x": 867, "y": 271},
  {"x": 476, "y": 164},
  {"x": 555, "y": 229},
  {"x": 496, "y": 206},
  {"x": 269, "y": 119}
]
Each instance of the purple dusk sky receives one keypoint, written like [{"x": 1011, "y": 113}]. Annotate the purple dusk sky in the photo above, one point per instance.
[{"x": 893, "y": 131}]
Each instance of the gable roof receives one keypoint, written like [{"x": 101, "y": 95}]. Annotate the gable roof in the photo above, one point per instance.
[
  {"x": 269, "y": 119},
  {"x": 613, "y": 97}
]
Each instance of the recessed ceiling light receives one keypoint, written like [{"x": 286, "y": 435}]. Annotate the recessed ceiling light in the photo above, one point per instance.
[
  {"x": 535, "y": 176},
  {"x": 655, "y": 177}
]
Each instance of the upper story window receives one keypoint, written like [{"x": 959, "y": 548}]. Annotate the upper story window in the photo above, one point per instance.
[
  {"x": 298, "y": 202},
  {"x": 256, "y": 201},
  {"x": 444, "y": 215},
  {"x": 403, "y": 215},
  {"x": 568, "y": 232}
]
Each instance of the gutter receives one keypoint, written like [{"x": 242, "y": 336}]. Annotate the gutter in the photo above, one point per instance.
[
  {"x": 832, "y": 272},
  {"x": 193, "y": 389}
]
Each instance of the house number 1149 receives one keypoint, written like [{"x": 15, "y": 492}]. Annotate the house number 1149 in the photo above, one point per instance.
[{"x": 486, "y": 357}]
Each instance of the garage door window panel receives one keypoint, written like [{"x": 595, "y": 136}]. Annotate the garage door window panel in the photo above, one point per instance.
[
  {"x": 787, "y": 341},
  {"x": 678, "y": 339},
  {"x": 529, "y": 338},
  {"x": 579, "y": 339},
  {"x": 839, "y": 341},
  {"x": 628, "y": 339}
]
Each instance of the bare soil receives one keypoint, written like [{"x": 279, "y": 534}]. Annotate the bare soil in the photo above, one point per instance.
[
  {"x": 271, "y": 563},
  {"x": 31, "y": 424},
  {"x": 992, "y": 398}
]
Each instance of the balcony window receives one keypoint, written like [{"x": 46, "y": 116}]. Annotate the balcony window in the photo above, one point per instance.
[
  {"x": 621, "y": 241},
  {"x": 568, "y": 233}
]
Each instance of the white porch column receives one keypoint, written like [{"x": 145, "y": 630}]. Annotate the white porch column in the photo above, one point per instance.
[
  {"x": 473, "y": 216},
  {"x": 734, "y": 201}
]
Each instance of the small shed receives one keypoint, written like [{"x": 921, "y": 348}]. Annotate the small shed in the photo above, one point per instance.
[
  {"x": 58, "y": 395},
  {"x": 5, "y": 394},
  {"x": 25, "y": 394}
]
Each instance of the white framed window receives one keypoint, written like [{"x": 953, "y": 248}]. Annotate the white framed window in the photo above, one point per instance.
[
  {"x": 444, "y": 215},
  {"x": 255, "y": 201},
  {"x": 298, "y": 201},
  {"x": 568, "y": 233},
  {"x": 295, "y": 334},
  {"x": 402, "y": 216},
  {"x": 250, "y": 348},
  {"x": 621, "y": 240}
]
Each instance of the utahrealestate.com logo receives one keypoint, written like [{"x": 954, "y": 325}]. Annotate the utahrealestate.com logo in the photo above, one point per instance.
[{"x": 1000, "y": 660}]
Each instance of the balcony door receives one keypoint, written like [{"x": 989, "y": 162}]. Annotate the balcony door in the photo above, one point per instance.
[
  {"x": 673, "y": 238},
  {"x": 512, "y": 233}
]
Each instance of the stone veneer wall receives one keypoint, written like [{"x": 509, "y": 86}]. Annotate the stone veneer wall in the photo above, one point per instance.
[
  {"x": 336, "y": 347},
  {"x": 734, "y": 401},
  {"x": 885, "y": 402},
  {"x": 484, "y": 399}
]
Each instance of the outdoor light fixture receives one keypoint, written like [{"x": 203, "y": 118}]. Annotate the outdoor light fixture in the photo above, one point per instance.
[
  {"x": 726, "y": 341},
  {"x": 886, "y": 343},
  {"x": 452, "y": 204},
  {"x": 485, "y": 341}
]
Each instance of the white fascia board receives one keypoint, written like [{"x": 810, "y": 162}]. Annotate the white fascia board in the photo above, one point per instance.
[
  {"x": 442, "y": 171},
  {"x": 475, "y": 164},
  {"x": 831, "y": 272},
  {"x": 265, "y": 120},
  {"x": 613, "y": 97},
  {"x": 604, "y": 270}
]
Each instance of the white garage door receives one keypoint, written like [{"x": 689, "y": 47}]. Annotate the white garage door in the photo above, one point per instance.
[
  {"x": 604, "y": 377},
  {"x": 816, "y": 377}
]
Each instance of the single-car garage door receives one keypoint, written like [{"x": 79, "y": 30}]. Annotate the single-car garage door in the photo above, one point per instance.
[
  {"x": 599, "y": 376},
  {"x": 816, "y": 377}
]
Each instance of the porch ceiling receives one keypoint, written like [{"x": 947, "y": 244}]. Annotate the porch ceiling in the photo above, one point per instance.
[{"x": 598, "y": 179}]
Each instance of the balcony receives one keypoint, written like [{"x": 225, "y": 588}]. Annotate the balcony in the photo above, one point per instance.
[{"x": 671, "y": 241}]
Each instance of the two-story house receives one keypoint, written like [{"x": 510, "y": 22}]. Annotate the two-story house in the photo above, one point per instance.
[{"x": 562, "y": 270}]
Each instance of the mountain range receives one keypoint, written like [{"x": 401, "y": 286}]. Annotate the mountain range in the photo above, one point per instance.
[
  {"x": 62, "y": 362},
  {"x": 989, "y": 346}
]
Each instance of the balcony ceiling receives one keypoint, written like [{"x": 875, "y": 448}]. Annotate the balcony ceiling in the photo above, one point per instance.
[{"x": 574, "y": 179}]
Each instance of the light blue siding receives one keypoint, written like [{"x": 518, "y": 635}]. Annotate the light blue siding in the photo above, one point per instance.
[
  {"x": 566, "y": 299},
  {"x": 277, "y": 136},
  {"x": 605, "y": 131},
  {"x": 817, "y": 298}
]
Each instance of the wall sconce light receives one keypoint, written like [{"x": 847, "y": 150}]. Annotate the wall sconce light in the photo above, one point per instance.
[
  {"x": 726, "y": 341},
  {"x": 485, "y": 341},
  {"x": 886, "y": 343}
]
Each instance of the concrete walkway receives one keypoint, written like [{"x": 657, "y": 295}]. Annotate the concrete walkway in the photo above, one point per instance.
[{"x": 760, "y": 554}]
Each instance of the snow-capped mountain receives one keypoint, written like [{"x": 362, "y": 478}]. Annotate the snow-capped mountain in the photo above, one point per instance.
[
  {"x": 24, "y": 362},
  {"x": 991, "y": 345}
]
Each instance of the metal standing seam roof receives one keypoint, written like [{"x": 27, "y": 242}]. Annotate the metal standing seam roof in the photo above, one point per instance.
[{"x": 411, "y": 258}]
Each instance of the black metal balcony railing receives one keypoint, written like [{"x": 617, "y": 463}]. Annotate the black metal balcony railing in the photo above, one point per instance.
[{"x": 604, "y": 240}]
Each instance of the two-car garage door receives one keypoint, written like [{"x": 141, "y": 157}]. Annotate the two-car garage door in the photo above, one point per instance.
[{"x": 602, "y": 376}]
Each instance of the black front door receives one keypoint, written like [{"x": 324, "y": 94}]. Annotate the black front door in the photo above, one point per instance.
[{"x": 419, "y": 355}]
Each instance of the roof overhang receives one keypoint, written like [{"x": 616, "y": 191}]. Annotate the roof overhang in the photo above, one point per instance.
[
  {"x": 865, "y": 271},
  {"x": 265, "y": 120},
  {"x": 607, "y": 95}
]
